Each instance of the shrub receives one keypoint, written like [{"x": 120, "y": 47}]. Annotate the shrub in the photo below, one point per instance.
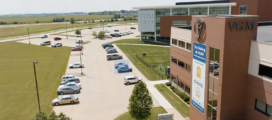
[
  {"x": 188, "y": 102},
  {"x": 172, "y": 87},
  {"x": 168, "y": 84}
]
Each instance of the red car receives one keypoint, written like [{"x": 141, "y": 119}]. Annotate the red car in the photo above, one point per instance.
[
  {"x": 57, "y": 38},
  {"x": 76, "y": 49}
]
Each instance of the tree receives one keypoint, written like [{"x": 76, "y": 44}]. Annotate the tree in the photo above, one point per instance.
[
  {"x": 78, "y": 32},
  {"x": 93, "y": 21},
  {"x": 140, "y": 102},
  {"x": 52, "y": 116},
  {"x": 63, "y": 117},
  {"x": 72, "y": 21},
  {"x": 94, "y": 33},
  {"x": 100, "y": 34}
]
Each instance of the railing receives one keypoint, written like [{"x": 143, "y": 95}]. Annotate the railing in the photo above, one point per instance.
[{"x": 153, "y": 66}]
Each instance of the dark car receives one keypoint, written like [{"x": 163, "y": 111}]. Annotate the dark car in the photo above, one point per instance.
[
  {"x": 108, "y": 45},
  {"x": 114, "y": 35},
  {"x": 76, "y": 49},
  {"x": 104, "y": 44},
  {"x": 57, "y": 38},
  {"x": 132, "y": 28},
  {"x": 118, "y": 35},
  {"x": 90, "y": 28},
  {"x": 116, "y": 30},
  {"x": 67, "y": 90}
]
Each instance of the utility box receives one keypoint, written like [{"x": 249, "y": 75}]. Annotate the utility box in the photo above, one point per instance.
[{"x": 166, "y": 116}]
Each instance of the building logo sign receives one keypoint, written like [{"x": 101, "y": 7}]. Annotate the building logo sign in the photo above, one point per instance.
[
  {"x": 199, "y": 28},
  {"x": 242, "y": 25},
  {"x": 146, "y": 20},
  {"x": 198, "y": 78}
]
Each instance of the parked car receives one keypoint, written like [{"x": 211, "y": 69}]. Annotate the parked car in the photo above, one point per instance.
[
  {"x": 124, "y": 69},
  {"x": 90, "y": 28},
  {"x": 70, "y": 80},
  {"x": 107, "y": 45},
  {"x": 132, "y": 28},
  {"x": 127, "y": 33},
  {"x": 121, "y": 34},
  {"x": 131, "y": 79},
  {"x": 106, "y": 31},
  {"x": 130, "y": 32},
  {"x": 116, "y": 30},
  {"x": 72, "y": 84},
  {"x": 57, "y": 38},
  {"x": 107, "y": 48},
  {"x": 56, "y": 45},
  {"x": 114, "y": 35},
  {"x": 45, "y": 43},
  {"x": 111, "y": 51},
  {"x": 76, "y": 65},
  {"x": 109, "y": 25},
  {"x": 66, "y": 77},
  {"x": 44, "y": 36},
  {"x": 114, "y": 56},
  {"x": 76, "y": 49},
  {"x": 68, "y": 90},
  {"x": 118, "y": 35},
  {"x": 116, "y": 65},
  {"x": 79, "y": 46},
  {"x": 124, "y": 33},
  {"x": 104, "y": 44},
  {"x": 107, "y": 36},
  {"x": 79, "y": 41},
  {"x": 65, "y": 99}
]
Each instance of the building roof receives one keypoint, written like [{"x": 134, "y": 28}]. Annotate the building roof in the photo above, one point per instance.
[
  {"x": 186, "y": 6},
  {"x": 202, "y": 2}
]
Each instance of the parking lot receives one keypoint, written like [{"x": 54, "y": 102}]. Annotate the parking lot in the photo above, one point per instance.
[{"x": 104, "y": 95}]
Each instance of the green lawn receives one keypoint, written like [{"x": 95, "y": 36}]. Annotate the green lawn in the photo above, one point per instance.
[
  {"x": 154, "y": 112},
  {"x": 136, "y": 41},
  {"x": 132, "y": 50},
  {"x": 18, "y": 89},
  {"x": 181, "y": 107}
]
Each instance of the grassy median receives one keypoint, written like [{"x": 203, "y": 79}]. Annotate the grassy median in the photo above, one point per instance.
[
  {"x": 181, "y": 107},
  {"x": 154, "y": 112},
  {"x": 136, "y": 41},
  {"x": 18, "y": 89}
]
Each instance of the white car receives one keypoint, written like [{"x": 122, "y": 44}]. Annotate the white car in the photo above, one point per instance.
[
  {"x": 79, "y": 41},
  {"x": 131, "y": 79},
  {"x": 106, "y": 31},
  {"x": 130, "y": 32},
  {"x": 56, "y": 45},
  {"x": 108, "y": 48},
  {"x": 124, "y": 33},
  {"x": 76, "y": 65},
  {"x": 66, "y": 77},
  {"x": 79, "y": 46},
  {"x": 73, "y": 84},
  {"x": 107, "y": 36}
]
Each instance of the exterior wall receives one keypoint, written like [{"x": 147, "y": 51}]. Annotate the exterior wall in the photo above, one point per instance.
[
  {"x": 257, "y": 89},
  {"x": 166, "y": 23},
  {"x": 183, "y": 34}
]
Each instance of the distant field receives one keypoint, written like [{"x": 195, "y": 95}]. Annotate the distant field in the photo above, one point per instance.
[{"x": 27, "y": 20}]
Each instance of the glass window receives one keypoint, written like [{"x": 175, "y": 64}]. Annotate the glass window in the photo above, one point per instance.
[
  {"x": 188, "y": 46},
  {"x": 219, "y": 10},
  {"x": 269, "y": 110},
  {"x": 181, "y": 44},
  {"x": 180, "y": 11},
  {"x": 214, "y": 62},
  {"x": 243, "y": 9},
  {"x": 199, "y": 11},
  {"x": 260, "y": 106},
  {"x": 265, "y": 71},
  {"x": 174, "y": 79},
  {"x": 188, "y": 67},
  {"x": 179, "y": 22},
  {"x": 181, "y": 64},
  {"x": 174, "y": 41},
  {"x": 187, "y": 90},
  {"x": 174, "y": 60},
  {"x": 160, "y": 12},
  {"x": 181, "y": 85}
]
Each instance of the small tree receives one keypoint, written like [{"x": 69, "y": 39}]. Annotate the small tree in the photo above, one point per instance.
[
  {"x": 140, "y": 102},
  {"x": 94, "y": 33},
  {"x": 78, "y": 32},
  {"x": 52, "y": 116},
  {"x": 93, "y": 21},
  {"x": 100, "y": 34},
  {"x": 72, "y": 21}
]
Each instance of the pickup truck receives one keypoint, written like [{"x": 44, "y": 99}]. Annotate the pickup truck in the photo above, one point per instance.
[{"x": 114, "y": 56}]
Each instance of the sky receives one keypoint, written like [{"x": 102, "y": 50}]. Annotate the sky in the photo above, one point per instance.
[{"x": 62, "y": 6}]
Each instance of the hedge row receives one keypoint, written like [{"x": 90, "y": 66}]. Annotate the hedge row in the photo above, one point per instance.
[{"x": 182, "y": 95}]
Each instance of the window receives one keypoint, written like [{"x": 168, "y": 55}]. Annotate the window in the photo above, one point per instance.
[
  {"x": 199, "y": 11},
  {"x": 243, "y": 9},
  {"x": 174, "y": 79},
  {"x": 180, "y": 63},
  {"x": 187, "y": 90},
  {"x": 179, "y": 22},
  {"x": 181, "y": 85},
  {"x": 180, "y": 11},
  {"x": 181, "y": 44},
  {"x": 174, "y": 41},
  {"x": 219, "y": 10},
  {"x": 188, "y": 67},
  {"x": 265, "y": 71},
  {"x": 174, "y": 60},
  {"x": 263, "y": 108},
  {"x": 188, "y": 46}
]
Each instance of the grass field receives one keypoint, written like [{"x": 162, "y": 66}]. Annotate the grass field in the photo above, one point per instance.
[
  {"x": 154, "y": 112},
  {"x": 181, "y": 107},
  {"x": 132, "y": 50},
  {"x": 18, "y": 89},
  {"x": 27, "y": 20},
  {"x": 136, "y": 41}
]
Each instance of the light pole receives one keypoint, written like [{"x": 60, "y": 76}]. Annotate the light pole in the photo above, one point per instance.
[
  {"x": 28, "y": 35},
  {"x": 36, "y": 85},
  {"x": 80, "y": 44},
  {"x": 66, "y": 30}
]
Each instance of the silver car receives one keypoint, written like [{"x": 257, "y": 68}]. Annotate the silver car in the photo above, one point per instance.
[
  {"x": 131, "y": 79},
  {"x": 79, "y": 46},
  {"x": 66, "y": 77},
  {"x": 79, "y": 41},
  {"x": 65, "y": 99},
  {"x": 68, "y": 90},
  {"x": 72, "y": 84},
  {"x": 56, "y": 45},
  {"x": 70, "y": 80},
  {"x": 111, "y": 51}
]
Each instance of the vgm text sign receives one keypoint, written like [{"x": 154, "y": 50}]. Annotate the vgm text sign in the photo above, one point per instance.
[
  {"x": 146, "y": 20},
  {"x": 242, "y": 25}
]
